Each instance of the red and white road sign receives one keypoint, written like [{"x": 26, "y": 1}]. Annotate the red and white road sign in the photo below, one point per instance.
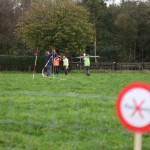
[{"x": 133, "y": 107}]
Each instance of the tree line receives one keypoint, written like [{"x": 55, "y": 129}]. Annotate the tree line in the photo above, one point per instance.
[{"x": 118, "y": 32}]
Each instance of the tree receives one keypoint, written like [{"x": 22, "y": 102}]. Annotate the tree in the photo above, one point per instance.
[
  {"x": 7, "y": 25},
  {"x": 107, "y": 43},
  {"x": 96, "y": 7},
  {"x": 133, "y": 23},
  {"x": 126, "y": 22},
  {"x": 61, "y": 24},
  {"x": 143, "y": 33}
]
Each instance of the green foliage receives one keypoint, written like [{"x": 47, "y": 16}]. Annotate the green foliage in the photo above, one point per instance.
[
  {"x": 60, "y": 24},
  {"x": 130, "y": 20},
  {"x": 121, "y": 31},
  {"x": 7, "y": 25}
]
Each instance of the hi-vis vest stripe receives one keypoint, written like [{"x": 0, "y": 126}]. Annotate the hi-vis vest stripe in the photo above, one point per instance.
[
  {"x": 86, "y": 62},
  {"x": 56, "y": 61},
  {"x": 65, "y": 62}
]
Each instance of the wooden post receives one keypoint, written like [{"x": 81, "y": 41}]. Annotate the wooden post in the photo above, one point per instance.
[{"x": 137, "y": 141}]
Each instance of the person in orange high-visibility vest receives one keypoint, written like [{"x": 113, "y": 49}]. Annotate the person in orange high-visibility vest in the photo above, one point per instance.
[{"x": 56, "y": 64}]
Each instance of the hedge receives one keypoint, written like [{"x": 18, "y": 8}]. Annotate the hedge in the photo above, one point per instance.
[{"x": 20, "y": 63}]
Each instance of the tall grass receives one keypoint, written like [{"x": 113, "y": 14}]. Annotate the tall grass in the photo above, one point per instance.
[{"x": 73, "y": 112}]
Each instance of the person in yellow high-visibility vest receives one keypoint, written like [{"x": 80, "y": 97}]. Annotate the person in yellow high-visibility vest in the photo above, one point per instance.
[
  {"x": 86, "y": 59},
  {"x": 65, "y": 64}
]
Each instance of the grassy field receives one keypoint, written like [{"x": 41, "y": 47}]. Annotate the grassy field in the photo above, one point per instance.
[{"x": 73, "y": 112}]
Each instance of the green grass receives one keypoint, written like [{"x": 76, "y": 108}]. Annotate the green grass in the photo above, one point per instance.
[{"x": 73, "y": 112}]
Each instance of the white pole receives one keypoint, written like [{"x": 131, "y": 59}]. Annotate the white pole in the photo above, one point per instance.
[
  {"x": 95, "y": 47},
  {"x": 53, "y": 64},
  {"x": 34, "y": 66},
  {"x": 137, "y": 141},
  {"x": 35, "y": 62}
]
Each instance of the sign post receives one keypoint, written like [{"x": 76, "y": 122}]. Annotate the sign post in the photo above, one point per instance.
[
  {"x": 137, "y": 141},
  {"x": 133, "y": 109}
]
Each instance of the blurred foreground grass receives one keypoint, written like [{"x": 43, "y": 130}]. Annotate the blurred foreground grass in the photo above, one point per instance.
[{"x": 73, "y": 112}]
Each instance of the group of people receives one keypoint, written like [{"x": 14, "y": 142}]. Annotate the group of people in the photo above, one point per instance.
[{"x": 52, "y": 60}]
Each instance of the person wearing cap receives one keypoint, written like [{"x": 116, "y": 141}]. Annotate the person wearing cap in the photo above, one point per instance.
[
  {"x": 86, "y": 59},
  {"x": 65, "y": 64}
]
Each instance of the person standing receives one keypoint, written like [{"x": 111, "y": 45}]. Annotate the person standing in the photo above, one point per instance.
[
  {"x": 49, "y": 62},
  {"x": 86, "y": 59},
  {"x": 65, "y": 64},
  {"x": 56, "y": 64}
]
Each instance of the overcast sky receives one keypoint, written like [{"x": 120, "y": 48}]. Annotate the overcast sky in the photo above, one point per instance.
[{"x": 115, "y": 1}]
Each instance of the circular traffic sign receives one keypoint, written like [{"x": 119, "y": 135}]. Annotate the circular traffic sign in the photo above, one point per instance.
[{"x": 133, "y": 107}]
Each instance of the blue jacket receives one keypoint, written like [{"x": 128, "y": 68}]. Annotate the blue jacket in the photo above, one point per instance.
[{"x": 49, "y": 57}]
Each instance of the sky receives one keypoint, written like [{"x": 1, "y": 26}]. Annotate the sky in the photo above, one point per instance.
[{"x": 115, "y": 1}]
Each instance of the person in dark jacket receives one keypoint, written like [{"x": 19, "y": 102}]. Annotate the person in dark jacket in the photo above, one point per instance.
[{"x": 49, "y": 60}]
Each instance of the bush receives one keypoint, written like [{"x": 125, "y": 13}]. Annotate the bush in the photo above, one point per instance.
[{"x": 20, "y": 63}]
